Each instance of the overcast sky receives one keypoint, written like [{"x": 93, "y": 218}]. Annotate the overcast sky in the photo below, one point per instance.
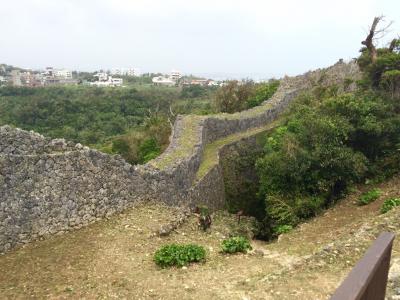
[{"x": 246, "y": 38}]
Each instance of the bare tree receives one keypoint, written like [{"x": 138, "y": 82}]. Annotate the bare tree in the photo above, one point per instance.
[
  {"x": 171, "y": 120},
  {"x": 374, "y": 34}
]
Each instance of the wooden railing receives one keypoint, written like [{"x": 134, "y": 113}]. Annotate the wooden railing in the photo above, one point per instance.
[{"x": 368, "y": 279}]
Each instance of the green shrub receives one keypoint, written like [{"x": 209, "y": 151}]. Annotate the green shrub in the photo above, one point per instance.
[
  {"x": 280, "y": 211},
  {"x": 308, "y": 207},
  {"x": 236, "y": 96},
  {"x": 263, "y": 92},
  {"x": 179, "y": 255},
  {"x": 383, "y": 73},
  {"x": 142, "y": 143},
  {"x": 283, "y": 229},
  {"x": 203, "y": 210},
  {"x": 233, "y": 96},
  {"x": 120, "y": 146},
  {"x": 194, "y": 91},
  {"x": 369, "y": 196},
  {"x": 149, "y": 149},
  {"x": 389, "y": 204},
  {"x": 236, "y": 244}
]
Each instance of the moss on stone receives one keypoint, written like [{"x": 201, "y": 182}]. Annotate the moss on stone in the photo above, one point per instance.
[
  {"x": 185, "y": 143},
  {"x": 211, "y": 151}
]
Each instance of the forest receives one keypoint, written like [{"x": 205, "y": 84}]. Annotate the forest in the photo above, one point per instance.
[
  {"x": 96, "y": 116},
  {"x": 134, "y": 121}
]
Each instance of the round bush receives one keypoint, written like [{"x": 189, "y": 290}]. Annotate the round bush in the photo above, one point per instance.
[
  {"x": 179, "y": 255},
  {"x": 236, "y": 244}
]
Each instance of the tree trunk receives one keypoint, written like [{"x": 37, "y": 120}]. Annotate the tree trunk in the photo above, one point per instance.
[{"x": 369, "y": 43}]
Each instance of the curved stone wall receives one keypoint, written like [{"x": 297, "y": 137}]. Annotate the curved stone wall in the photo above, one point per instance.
[{"x": 50, "y": 186}]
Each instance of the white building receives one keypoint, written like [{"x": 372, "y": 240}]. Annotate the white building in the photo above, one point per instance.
[
  {"x": 199, "y": 82},
  {"x": 126, "y": 72},
  {"x": 212, "y": 83},
  {"x": 27, "y": 78},
  {"x": 104, "y": 80},
  {"x": 175, "y": 75},
  {"x": 3, "y": 80},
  {"x": 64, "y": 73},
  {"x": 49, "y": 71},
  {"x": 101, "y": 76},
  {"x": 162, "y": 80},
  {"x": 16, "y": 78}
]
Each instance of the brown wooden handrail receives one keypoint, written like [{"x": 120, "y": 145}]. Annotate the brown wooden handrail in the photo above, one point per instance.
[{"x": 368, "y": 279}]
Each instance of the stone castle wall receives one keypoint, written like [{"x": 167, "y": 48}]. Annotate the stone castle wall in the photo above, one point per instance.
[{"x": 50, "y": 186}]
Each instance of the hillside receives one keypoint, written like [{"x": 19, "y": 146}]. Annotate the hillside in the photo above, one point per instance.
[
  {"x": 310, "y": 168},
  {"x": 171, "y": 150},
  {"x": 51, "y": 186},
  {"x": 113, "y": 258}
]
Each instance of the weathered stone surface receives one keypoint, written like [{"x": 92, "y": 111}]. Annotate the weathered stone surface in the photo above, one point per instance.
[{"x": 51, "y": 186}]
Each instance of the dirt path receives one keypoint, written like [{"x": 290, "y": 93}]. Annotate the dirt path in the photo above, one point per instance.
[{"x": 113, "y": 258}]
